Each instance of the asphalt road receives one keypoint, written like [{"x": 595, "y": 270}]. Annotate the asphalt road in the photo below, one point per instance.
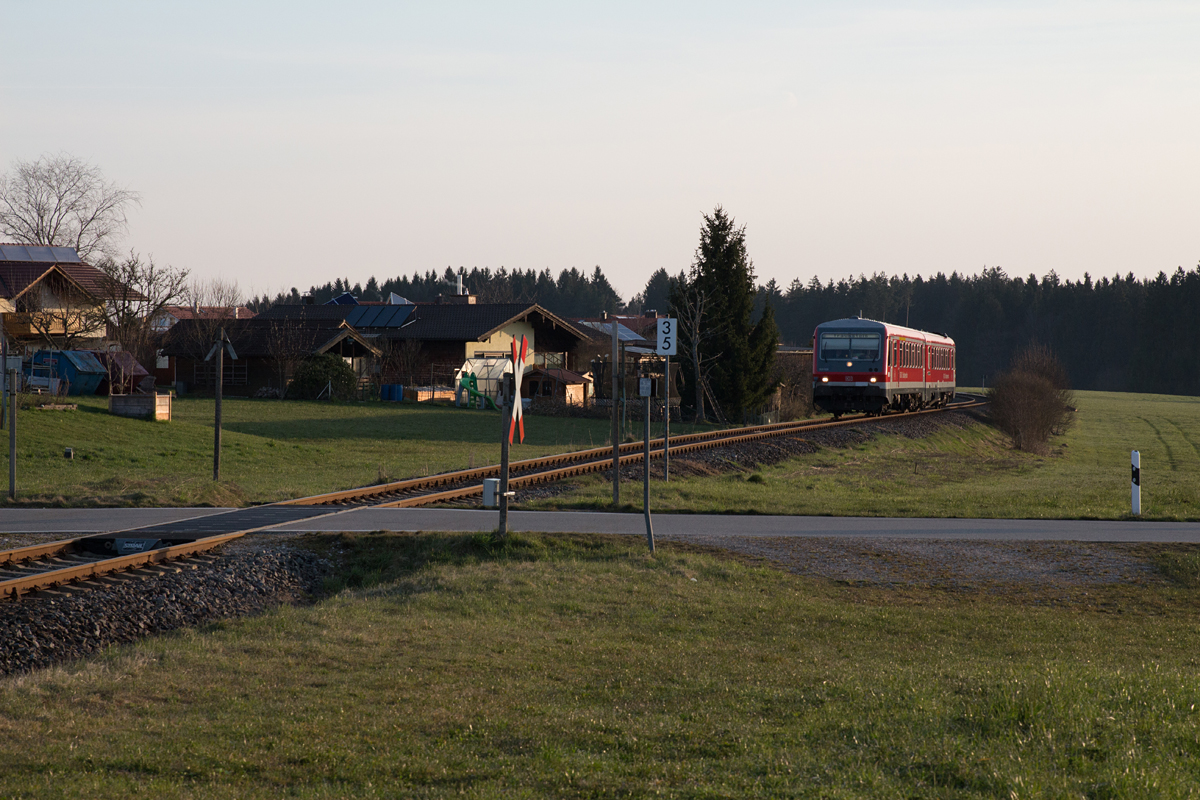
[{"x": 80, "y": 521}]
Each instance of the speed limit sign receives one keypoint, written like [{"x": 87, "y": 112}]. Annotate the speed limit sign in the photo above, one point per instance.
[{"x": 666, "y": 337}]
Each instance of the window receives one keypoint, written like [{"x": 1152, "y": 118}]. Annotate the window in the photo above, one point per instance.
[{"x": 838, "y": 346}]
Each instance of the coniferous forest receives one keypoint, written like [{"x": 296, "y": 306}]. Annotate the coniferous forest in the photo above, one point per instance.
[{"x": 1116, "y": 334}]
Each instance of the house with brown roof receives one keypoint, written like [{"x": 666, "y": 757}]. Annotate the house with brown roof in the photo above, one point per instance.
[
  {"x": 169, "y": 315},
  {"x": 49, "y": 297},
  {"x": 425, "y": 343}
]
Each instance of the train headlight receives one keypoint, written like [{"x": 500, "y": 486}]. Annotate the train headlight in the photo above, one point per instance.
[
  {"x": 849, "y": 363},
  {"x": 824, "y": 380},
  {"x": 872, "y": 380}
]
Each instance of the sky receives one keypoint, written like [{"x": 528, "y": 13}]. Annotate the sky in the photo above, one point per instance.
[{"x": 287, "y": 144}]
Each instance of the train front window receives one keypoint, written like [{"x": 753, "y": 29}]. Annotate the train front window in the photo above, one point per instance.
[{"x": 849, "y": 346}]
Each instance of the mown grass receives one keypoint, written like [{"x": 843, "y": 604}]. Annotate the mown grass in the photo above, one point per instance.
[
  {"x": 581, "y": 667},
  {"x": 271, "y": 450},
  {"x": 971, "y": 472}
]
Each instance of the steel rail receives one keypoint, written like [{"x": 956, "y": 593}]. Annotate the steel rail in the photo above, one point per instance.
[
  {"x": 13, "y": 588},
  {"x": 595, "y": 453},
  {"x": 19, "y": 554},
  {"x": 635, "y": 456}
]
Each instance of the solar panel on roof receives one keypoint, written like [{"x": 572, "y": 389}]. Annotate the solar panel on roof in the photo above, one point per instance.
[
  {"x": 29, "y": 252},
  {"x": 364, "y": 316}
]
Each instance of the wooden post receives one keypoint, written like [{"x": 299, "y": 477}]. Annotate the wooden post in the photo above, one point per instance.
[
  {"x": 4, "y": 357},
  {"x": 505, "y": 423},
  {"x": 12, "y": 434},
  {"x": 616, "y": 439},
  {"x": 646, "y": 479},
  {"x": 220, "y": 386}
]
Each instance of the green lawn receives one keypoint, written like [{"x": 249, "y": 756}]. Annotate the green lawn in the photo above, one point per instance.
[
  {"x": 971, "y": 472},
  {"x": 272, "y": 450},
  {"x": 581, "y": 667}
]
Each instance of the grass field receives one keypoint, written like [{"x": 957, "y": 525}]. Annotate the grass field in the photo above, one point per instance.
[
  {"x": 272, "y": 450},
  {"x": 275, "y": 450},
  {"x": 580, "y": 667},
  {"x": 971, "y": 472}
]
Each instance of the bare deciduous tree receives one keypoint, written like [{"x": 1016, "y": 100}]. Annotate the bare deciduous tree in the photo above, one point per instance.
[
  {"x": 287, "y": 347},
  {"x": 136, "y": 291},
  {"x": 689, "y": 303},
  {"x": 61, "y": 201},
  {"x": 215, "y": 303},
  {"x": 401, "y": 357}
]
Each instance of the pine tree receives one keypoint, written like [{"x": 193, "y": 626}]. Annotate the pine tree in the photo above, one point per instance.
[{"x": 736, "y": 357}]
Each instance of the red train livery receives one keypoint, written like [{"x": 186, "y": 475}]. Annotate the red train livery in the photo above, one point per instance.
[{"x": 873, "y": 367}]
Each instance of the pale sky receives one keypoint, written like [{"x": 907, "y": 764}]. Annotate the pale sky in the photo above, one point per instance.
[{"x": 287, "y": 144}]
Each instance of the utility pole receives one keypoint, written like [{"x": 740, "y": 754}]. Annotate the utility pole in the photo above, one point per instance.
[
  {"x": 644, "y": 385},
  {"x": 217, "y": 426},
  {"x": 218, "y": 349},
  {"x": 616, "y": 439}
]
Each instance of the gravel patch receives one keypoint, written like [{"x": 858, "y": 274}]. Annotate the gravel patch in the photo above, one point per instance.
[
  {"x": 892, "y": 563},
  {"x": 243, "y": 578}
]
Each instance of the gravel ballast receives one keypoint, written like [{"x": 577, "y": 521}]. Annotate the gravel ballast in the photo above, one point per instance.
[{"x": 60, "y": 626}]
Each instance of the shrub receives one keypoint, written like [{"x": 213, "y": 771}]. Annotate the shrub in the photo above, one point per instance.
[
  {"x": 315, "y": 373},
  {"x": 1032, "y": 400}
]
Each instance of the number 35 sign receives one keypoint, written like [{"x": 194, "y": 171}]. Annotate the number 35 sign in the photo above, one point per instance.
[{"x": 666, "y": 337}]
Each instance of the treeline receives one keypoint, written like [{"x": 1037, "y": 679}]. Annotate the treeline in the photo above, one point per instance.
[
  {"x": 1113, "y": 334},
  {"x": 1116, "y": 334},
  {"x": 573, "y": 293}
]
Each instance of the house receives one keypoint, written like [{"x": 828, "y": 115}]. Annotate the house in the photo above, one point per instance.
[
  {"x": 426, "y": 343},
  {"x": 49, "y": 297},
  {"x": 268, "y": 352},
  {"x": 169, "y": 315},
  {"x": 165, "y": 368}
]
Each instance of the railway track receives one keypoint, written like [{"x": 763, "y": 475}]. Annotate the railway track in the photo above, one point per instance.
[
  {"x": 89, "y": 558},
  {"x": 70, "y": 561},
  {"x": 452, "y": 486}
]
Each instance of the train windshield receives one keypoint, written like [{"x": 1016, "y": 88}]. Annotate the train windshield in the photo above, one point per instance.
[{"x": 838, "y": 346}]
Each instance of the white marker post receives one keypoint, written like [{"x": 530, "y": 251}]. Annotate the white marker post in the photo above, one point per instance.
[
  {"x": 1136, "y": 478},
  {"x": 667, "y": 343}
]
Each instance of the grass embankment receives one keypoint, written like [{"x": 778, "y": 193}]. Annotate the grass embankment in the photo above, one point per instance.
[
  {"x": 972, "y": 472},
  {"x": 272, "y": 450},
  {"x": 581, "y": 667}
]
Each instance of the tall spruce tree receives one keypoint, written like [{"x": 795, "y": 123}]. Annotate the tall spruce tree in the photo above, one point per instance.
[{"x": 733, "y": 355}]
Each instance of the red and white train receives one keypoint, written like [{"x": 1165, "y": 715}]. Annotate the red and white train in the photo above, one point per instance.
[{"x": 873, "y": 367}]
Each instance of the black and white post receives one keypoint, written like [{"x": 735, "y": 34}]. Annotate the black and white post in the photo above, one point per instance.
[
  {"x": 1135, "y": 461},
  {"x": 667, "y": 343},
  {"x": 506, "y": 425},
  {"x": 645, "y": 390}
]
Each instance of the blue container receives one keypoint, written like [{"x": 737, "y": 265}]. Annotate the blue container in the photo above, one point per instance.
[
  {"x": 82, "y": 371},
  {"x": 385, "y": 392}
]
